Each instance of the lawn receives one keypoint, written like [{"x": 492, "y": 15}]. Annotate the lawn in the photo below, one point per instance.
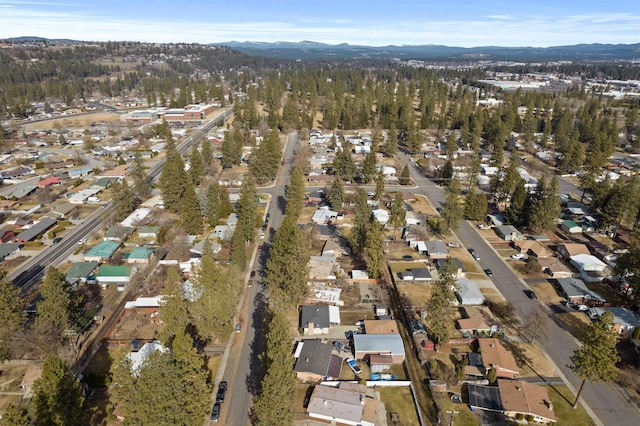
[
  {"x": 562, "y": 400},
  {"x": 399, "y": 400},
  {"x": 547, "y": 293},
  {"x": 303, "y": 391},
  {"x": 575, "y": 322},
  {"x": 421, "y": 205},
  {"x": 418, "y": 294}
]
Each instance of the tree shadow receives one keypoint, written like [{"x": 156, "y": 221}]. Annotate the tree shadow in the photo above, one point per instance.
[
  {"x": 281, "y": 203},
  {"x": 256, "y": 371}
]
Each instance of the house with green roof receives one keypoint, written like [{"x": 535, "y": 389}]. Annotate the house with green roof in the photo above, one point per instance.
[
  {"x": 117, "y": 233},
  {"x": 149, "y": 232},
  {"x": 102, "y": 251},
  {"x": 142, "y": 255},
  {"x": 108, "y": 274},
  {"x": 571, "y": 227},
  {"x": 81, "y": 271}
]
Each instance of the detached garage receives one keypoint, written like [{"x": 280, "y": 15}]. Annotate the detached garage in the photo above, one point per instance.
[{"x": 365, "y": 345}]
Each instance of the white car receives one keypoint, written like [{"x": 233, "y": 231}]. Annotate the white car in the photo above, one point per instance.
[
  {"x": 353, "y": 365},
  {"x": 519, "y": 256}
]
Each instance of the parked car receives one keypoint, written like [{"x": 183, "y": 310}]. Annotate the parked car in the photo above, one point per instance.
[
  {"x": 261, "y": 246},
  {"x": 519, "y": 256},
  {"x": 473, "y": 254},
  {"x": 353, "y": 365},
  {"x": 222, "y": 391},
  {"x": 82, "y": 241},
  {"x": 489, "y": 272},
  {"x": 407, "y": 257},
  {"x": 580, "y": 307},
  {"x": 238, "y": 328},
  {"x": 253, "y": 274},
  {"x": 215, "y": 413},
  {"x": 453, "y": 244},
  {"x": 531, "y": 294}
]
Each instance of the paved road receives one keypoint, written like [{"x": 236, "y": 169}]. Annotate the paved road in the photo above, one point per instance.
[
  {"x": 243, "y": 370},
  {"x": 606, "y": 400}
]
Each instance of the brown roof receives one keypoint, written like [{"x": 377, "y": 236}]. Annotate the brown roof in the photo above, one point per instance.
[
  {"x": 380, "y": 326},
  {"x": 480, "y": 318},
  {"x": 536, "y": 247},
  {"x": 526, "y": 398},
  {"x": 554, "y": 265},
  {"x": 375, "y": 359},
  {"x": 574, "y": 248},
  {"x": 495, "y": 354}
]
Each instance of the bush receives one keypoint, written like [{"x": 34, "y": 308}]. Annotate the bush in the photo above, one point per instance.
[{"x": 55, "y": 231}]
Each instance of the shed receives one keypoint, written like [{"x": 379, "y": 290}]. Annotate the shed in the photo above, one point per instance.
[{"x": 380, "y": 363}]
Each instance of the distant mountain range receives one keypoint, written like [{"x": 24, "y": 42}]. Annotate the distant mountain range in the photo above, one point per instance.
[{"x": 314, "y": 50}]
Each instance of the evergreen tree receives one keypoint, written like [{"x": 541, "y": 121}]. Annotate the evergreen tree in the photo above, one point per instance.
[
  {"x": 336, "y": 194},
  {"x": 58, "y": 307},
  {"x": 596, "y": 360},
  {"x": 14, "y": 416},
  {"x": 295, "y": 193},
  {"x": 142, "y": 185},
  {"x": 515, "y": 213},
  {"x": 58, "y": 396},
  {"x": 191, "y": 214},
  {"x": 207, "y": 156},
  {"x": 379, "y": 185},
  {"x": 439, "y": 312},
  {"x": 196, "y": 167},
  {"x": 374, "y": 250},
  {"x": 369, "y": 167},
  {"x": 174, "y": 313},
  {"x": 287, "y": 267},
  {"x": 344, "y": 165},
  {"x": 172, "y": 179},
  {"x": 451, "y": 210},
  {"x": 273, "y": 406},
  {"x": 231, "y": 149},
  {"x": 482, "y": 206},
  {"x": 238, "y": 247},
  {"x": 397, "y": 213},
  {"x": 225, "y": 203},
  {"x": 360, "y": 222},
  {"x": 11, "y": 316},
  {"x": 391, "y": 146},
  {"x": 470, "y": 205},
  {"x": 213, "y": 204},
  {"x": 123, "y": 199},
  {"x": 405, "y": 176},
  {"x": 543, "y": 206},
  {"x": 247, "y": 209},
  {"x": 265, "y": 162}
]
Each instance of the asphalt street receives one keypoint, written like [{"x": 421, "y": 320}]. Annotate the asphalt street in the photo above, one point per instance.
[{"x": 606, "y": 400}]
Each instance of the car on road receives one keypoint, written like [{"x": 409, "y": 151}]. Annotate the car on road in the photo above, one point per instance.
[
  {"x": 519, "y": 256},
  {"x": 215, "y": 413},
  {"x": 261, "y": 246},
  {"x": 262, "y": 235},
  {"x": 473, "y": 254},
  {"x": 371, "y": 194},
  {"x": 238, "y": 328},
  {"x": 489, "y": 272},
  {"x": 580, "y": 307},
  {"x": 82, "y": 241},
  {"x": 531, "y": 294},
  {"x": 253, "y": 274},
  {"x": 56, "y": 240},
  {"x": 353, "y": 365},
  {"x": 222, "y": 391},
  {"x": 266, "y": 218}
]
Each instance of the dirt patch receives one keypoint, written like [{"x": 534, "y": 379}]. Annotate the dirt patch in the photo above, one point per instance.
[
  {"x": 414, "y": 294},
  {"x": 82, "y": 121}
]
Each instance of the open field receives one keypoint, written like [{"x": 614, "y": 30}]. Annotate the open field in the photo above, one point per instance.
[{"x": 73, "y": 121}]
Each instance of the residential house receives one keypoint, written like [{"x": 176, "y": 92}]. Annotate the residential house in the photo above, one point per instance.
[
  {"x": 137, "y": 358},
  {"x": 47, "y": 182},
  {"x": 555, "y": 267},
  {"x": 347, "y": 403},
  {"x": 8, "y": 249},
  {"x": 137, "y": 217},
  {"x": 108, "y": 274},
  {"x": 496, "y": 355},
  {"x": 460, "y": 272},
  {"x": 381, "y": 215},
  {"x": 323, "y": 267},
  {"x": 81, "y": 197},
  {"x": 625, "y": 321},
  {"x": 80, "y": 172},
  {"x": 140, "y": 255},
  {"x": 323, "y": 215},
  {"x": 102, "y": 183},
  {"x": 576, "y": 291},
  {"x": 333, "y": 248},
  {"x": 149, "y": 232},
  {"x": 102, "y": 252},
  {"x": 36, "y": 230},
  {"x": 81, "y": 271},
  {"x": 533, "y": 248},
  {"x": 566, "y": 250},
  {"x": 508, "y": 233},
  {"x": 318, "y": 319},
  {"x": 365, "y": 345},
  {"x": 322, "y": 232},
  {"x": 414, "y": 218},
  {"x": 315, "y": 197},
  {"x": 479, "y": 319},
  {"x": 436, "y": 249},
  {"x": 571, "y": 227},
  {"x": 315, "y": 361},
  {"x": 63, "y": 210},
  {"x": 591, "y": 268},
  {"x": 118, "y": 172},
  {"x": 117, "y": 233},
  {"x": 468, "y": 292},
  {"x": 16, "y": 173},
  {"x": 6, "y": 235}
]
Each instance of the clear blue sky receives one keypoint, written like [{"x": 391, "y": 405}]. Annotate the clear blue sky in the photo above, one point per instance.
[{"x": 374, "y": 22}]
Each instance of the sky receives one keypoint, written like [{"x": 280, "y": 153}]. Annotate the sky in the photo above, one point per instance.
[{"x": 539, "y": 23}]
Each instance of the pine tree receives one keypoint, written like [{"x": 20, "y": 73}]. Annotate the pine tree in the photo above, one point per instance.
[
  {"x": 451, "y": 210},
  {"x": 142, "y": 185},
  {"x": 238, "y": 246},
  {"x": 336, "y": 194},
  {"x": 470, "y": 205},
  {"x": 439, "y": 313},
  {"x": 374, "y": 250},
  {"x": 123, "y": 198},
  {"x": 344, "y": 165},
  {"x": 379, "y": 185},
  {"x": 57, "y": 395},
  {"x": 58, "y": 306},
  {"x": 405, "y": 176},
  {"x": 273, "y": 406},
  {"x": 391, "y": 146},
  {"x": 14, "y": 416},
  {"x": 515, "y": 213},
  {"x": 369, "y": 167},
  {"x": 397, "y": 213},
  {"x": 191, "y": 214},
  {"x": 265, "y": 162},
  {"x": 174, "y": 311},
  {"x": 596, "y": 360},
  {"x": 213, "y": 204},
  {"x": 360, "y": 222},
  {"x": 207, "y": 156},
  {"x": 248, "y": 208},
  {"x": 225, "y": 203},
  {"x": 172, "y": 179},
  {"x": 295, "y": 193},
  {"x": 11, "y": 316},
  {"x": 196, "y": 167}
]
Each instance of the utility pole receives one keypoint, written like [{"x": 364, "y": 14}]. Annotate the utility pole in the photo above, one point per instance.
[{"x": 452, "y": 412}]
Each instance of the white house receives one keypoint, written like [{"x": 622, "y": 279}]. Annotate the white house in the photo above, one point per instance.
[
  {"x": 381, "y": 215},
  {"x": 469, "y": 293},
  {"x": 323, "y": 215}
]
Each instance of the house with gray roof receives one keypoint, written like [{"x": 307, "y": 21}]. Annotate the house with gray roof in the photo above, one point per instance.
[
  {"x": 7, "y": 249},
  {"x": 81, "y": 271},
  {"x": 117, "y": 233},
  {"x": 36, "y": 230},
  {"x": 576, "y": 291},
  {"x": 318, "y": 319},
  {"x": 436, "y": 249},
  {"x": 468, "y": 292},
  {"x": 508, "y": 233},
  {"x": 365, "y": 345},
  {"x": 315, "y": 361},
  {"x": 346, "y": 403}
]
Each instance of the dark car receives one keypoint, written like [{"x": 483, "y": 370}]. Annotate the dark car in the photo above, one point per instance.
[
  {"x": 267, "y": 217},
  {"x": 531, "y": 294},
  {"x": 57, "y": 240},
  {"x": 253, "y": 274},
  {"x": 489, "y": 272},
  {"x": 473, "y": 254},
  {"x": 222, "y": 391},
  {"x": 215, "y": 413},
  {"x": 407, "y": 257}
]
